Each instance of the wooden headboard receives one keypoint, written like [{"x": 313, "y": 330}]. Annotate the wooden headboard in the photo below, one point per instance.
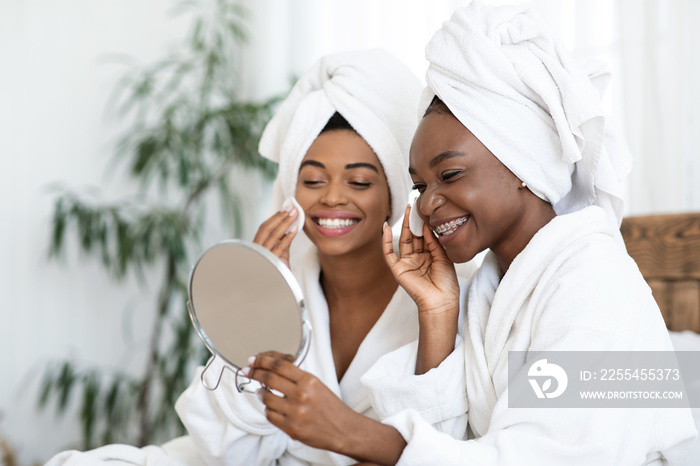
[{"x": 667, "y": 251}]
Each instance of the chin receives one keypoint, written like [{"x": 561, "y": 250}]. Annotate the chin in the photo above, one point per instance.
[{"x": 459, "y": 255}]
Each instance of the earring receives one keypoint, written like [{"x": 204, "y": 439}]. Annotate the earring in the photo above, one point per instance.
[{"x": 523, "y": 184}]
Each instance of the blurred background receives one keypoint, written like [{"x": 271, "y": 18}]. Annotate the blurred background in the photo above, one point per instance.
[{"x": 128, "y": 134}]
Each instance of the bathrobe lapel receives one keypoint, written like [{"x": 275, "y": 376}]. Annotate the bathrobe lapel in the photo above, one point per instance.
[{"x": 497, "y": 304}]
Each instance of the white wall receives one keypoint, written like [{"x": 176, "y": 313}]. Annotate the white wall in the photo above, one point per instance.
[{"x": 54, "y": 83}]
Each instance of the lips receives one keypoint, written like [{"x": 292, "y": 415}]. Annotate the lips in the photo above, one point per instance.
[
  {"x": 449, "y": 227},
  {"x": 333, "y": 223}
]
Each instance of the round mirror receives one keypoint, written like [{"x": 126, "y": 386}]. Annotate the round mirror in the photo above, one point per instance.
[{"x": 244, "y": 300}]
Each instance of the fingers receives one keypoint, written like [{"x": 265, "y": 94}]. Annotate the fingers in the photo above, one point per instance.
[
  {"x": 282, "y": 247},
  {"x": 388, "y": 246},
  {"x": 273, "y": 235},
  {"x": 274, "y": 370},
  {"x": 433, "y": 245},
  {"x": 418, "y": 244},
  {"x": 275, "y": 417},
  {"x": 273, "y": 354},
  {"x": 406, "y": 238}
]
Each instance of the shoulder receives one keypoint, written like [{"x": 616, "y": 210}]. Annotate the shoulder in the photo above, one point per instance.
[{"x": 595, "y": 288}]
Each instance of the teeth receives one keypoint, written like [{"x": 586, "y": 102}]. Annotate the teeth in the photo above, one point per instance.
[
  {"x": 446, "y": 229},
  {"x": 333, "y": 223}
]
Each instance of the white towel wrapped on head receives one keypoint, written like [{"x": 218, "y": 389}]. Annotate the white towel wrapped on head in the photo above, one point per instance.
[
  {"x": 376, "y": 93},
  {"x": 522, "y": 95}
]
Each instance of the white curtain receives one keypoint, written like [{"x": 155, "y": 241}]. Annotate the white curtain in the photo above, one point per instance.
[
  {"x": 661, "y": 73},
  {"x": 650, "y": 46}
]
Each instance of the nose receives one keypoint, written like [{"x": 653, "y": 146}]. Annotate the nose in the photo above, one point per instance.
[
  {"x": 334, "y": 195},
  {"x": 428, "y": 202}
]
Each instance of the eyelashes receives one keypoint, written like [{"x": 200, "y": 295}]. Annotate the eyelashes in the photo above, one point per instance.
[
  {"x": 445, "y": 177},
  {"x": 450, "y": 174},
  {"x": 419, "y": 187},
  {"x": 354, "y": 184}
]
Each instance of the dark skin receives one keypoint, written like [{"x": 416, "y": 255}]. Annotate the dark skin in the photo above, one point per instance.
[
  {"x": 340, "y": 174},
  {"x": 459, "y": 181}
]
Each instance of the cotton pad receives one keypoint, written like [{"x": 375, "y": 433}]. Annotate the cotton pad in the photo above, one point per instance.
[
  {"x": 301, "y": 217},
  {"x": 415, "y": 223}
]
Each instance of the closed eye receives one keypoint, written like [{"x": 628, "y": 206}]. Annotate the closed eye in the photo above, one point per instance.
[
  {"x": 312, "y": 183},
  {"x": 360, "y": 184},
  {"x": 450, "y": 174},
  {"x": 420, "y": 187}
]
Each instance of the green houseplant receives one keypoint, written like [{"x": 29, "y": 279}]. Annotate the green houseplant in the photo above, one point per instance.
[{"x": 187, "y": 130}]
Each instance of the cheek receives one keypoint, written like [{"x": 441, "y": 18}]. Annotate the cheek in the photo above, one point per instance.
[
  {"x": 376, "y": 204},
  {"x": 378, "y": 201},
  {"x": 305, "y": 198}
]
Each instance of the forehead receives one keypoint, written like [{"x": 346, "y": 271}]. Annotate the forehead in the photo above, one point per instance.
[
  {"x": 439, "y": 134},
  {"x": 338, "y": 148},
  {"x": 436, "y": 133}
]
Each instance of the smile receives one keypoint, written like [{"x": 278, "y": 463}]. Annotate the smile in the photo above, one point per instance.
[
  {"x": 447, "y": 228},
  {"x": 335, "y": 223}
]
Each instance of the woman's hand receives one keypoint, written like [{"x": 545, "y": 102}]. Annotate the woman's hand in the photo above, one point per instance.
[
  {"x": 423, "y": 269},
  {"x": 273, "y": 235},
  {"x": 429, "y": 278},
  {"x": 311, "y": 413}
]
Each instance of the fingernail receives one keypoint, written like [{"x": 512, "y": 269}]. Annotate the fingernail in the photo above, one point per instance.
[
  {"x": 246, "y": 371},
  {"x": 292, "y": 213},
  {"x": 287, "y": 208},
  {"x": 293, "y": 229},
  {"x": 251, "y": 360},
  {"x": 385, "y": 225}
]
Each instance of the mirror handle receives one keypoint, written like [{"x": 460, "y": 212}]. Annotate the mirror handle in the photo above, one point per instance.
[
  {"x": 218, "y": 381},
  {"x": 241, "y": 386}
]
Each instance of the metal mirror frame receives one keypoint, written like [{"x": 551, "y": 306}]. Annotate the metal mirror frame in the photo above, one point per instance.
[{"x": 241, "y": 381}]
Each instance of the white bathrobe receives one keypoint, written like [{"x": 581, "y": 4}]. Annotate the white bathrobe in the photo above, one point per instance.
[
  {"x": 230, "y": 428},
  {"x": 573, "y": 288}
]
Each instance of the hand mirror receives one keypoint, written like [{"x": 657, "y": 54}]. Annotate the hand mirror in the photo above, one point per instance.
[{"x": 244, "y": 300}]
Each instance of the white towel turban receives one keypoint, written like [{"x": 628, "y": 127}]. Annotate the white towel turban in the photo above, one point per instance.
[
  {"x": 517, "y": 90},
  {"x": 376, "y": 93}
]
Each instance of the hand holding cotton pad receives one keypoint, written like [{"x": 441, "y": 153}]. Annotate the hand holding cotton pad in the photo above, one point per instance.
[{"x": 289, "y": 203}]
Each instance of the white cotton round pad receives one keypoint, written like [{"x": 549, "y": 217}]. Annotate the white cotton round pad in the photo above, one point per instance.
[
  {"x": 415, "y": 223},
  {"x": 301, "y": 216}
]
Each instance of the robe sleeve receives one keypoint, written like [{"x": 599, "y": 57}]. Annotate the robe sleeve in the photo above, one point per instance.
[
  {"x": 229, "y": 427},
  {"x": 611, "y": 310},
  {"x": 603, "y": 436},
  {"x": 438, "y": 395}
]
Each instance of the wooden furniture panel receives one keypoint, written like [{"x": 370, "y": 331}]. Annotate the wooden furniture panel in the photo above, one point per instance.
[{"x": 667, "y": 251}]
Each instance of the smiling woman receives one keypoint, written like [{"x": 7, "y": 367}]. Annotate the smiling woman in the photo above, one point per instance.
[
  {"x": 452, "y": 164},
  {"x": 341, "y": 138},
  {"x": 343, "y": 189}
]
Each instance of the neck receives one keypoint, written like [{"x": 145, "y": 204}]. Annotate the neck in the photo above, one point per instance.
[
  {"x": 359, "y": 274},
  {"x": 520, "y": 234}
]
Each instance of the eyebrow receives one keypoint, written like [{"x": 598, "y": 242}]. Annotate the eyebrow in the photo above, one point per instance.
[
  {"x": 349, "y": 166},
  {"x": 441, "y": 157},
  {"x": 312, "y": 163}
]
